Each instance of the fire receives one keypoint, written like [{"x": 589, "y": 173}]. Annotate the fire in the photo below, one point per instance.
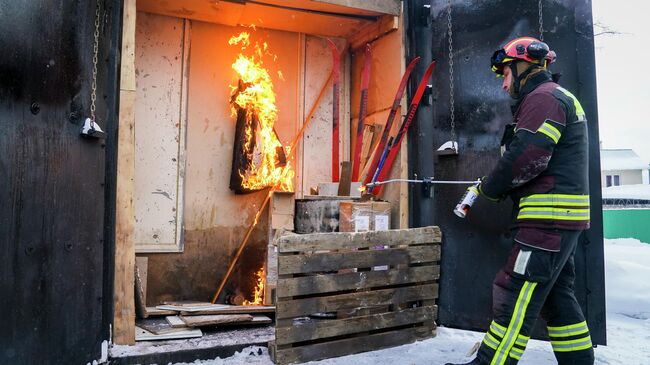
[
  {"x": 258, "y": 99},
  {"x": 258, "y": 298}
]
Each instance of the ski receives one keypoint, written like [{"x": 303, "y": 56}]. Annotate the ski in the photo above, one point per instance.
[
  {"x": 382, "y": 160},
  {"x": 336, "y": 71},
  {"x": 413, "y": 107},
  {"x": 378, "y": 153},
  {"x": 363, "y": 109}
]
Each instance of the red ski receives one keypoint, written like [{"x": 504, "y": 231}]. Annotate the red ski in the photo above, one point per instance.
[
  {"x": 413, "y": 107},
  {"x": 336, "y": 71},
  {"x": 389, "y": 122},
  {"x": 365, "y": 80}
]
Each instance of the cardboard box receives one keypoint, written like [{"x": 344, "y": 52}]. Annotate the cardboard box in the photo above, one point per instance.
[
  {"x": 365, "y": 216},
  {"x": 283, "y": 205}
]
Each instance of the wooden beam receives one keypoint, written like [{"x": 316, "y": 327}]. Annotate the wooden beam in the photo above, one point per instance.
[
  {"x": 373, "y": 31},
  {"x": 392, "y": 7},
  {"x": 124, "y": 303}
]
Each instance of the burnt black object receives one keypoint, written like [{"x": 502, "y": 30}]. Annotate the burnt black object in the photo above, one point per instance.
[
  {"x": 475, "y": 248},
  {"x": 56, "y": 250}
]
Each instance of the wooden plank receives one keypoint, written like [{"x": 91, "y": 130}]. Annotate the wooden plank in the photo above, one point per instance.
[
  {"x": 317, "y": 329},
  {"x": 368, "y": 137},
  {"x": 154, "y": 312},
  {"x": 143, "y": 335},
  {"x": 352, "y": 345},
  {"x": 211, "y": 320},
  {"x": 221, "y": 309},
  {"x": 160, "y": 326},
  {"x": 332, "y": 261},
  {"x": 373, "y": 31},
  {"x": 319, "y": 284},
  {"x": 346, "y": 178},
  {"x": 257, "y": 320},
  {"x": 175, "y": 321},
  {"x": 124, "y": 303},
  {"x": 304, "y": 307},
  {"x": 352, "y": 240},
  {"x": 188, "y": 303}
]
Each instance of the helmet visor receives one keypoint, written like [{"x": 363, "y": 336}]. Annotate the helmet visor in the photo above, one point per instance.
[{"x": 498, "y": 61}]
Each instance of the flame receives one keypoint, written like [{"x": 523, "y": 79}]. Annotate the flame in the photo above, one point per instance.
[
  {"x": 258, "y": 297},
  {"x": 258, "y": 98}
]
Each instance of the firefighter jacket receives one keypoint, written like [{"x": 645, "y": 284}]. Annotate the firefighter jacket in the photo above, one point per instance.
[{"x": 545, "y": 165}]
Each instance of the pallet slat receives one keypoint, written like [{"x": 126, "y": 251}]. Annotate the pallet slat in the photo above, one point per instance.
[
  {"x": 352, "y": 345},
  {"x": 305, "y": 307},
  {"x": 317, "y": 329},
  {"x": 319, "y": 284},
  {"x": 353, "y": 240},
  {"x": 331, "y": 261}
]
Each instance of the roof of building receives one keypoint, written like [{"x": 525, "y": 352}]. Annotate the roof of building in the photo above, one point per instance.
[{"x": 621, "y": 159}]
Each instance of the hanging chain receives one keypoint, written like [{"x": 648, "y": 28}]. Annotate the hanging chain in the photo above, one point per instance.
[
  {"x": 541, "y": 21},
  {"x": 452, "y": 122},
  {"x": 93, "y": 85}
]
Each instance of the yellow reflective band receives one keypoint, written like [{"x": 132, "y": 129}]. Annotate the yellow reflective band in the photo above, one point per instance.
[
  {"x": 550, "y": 131},
  {"x": 490, "y": 341},
  {"x": 570, "y": 330},
  {"x": 498, "y": 329},
  {"x": 517, "y": 320},
  {"x": 565, "y": 214},
  {"x": 516, "y": 354},
  {"x": 555, "y": 200},
  {"x": 580, "y": 112},
  {"x": 572, "y": 345},
  {"x": 521, "y": 342}
]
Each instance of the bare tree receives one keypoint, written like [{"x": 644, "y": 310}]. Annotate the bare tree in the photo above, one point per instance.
[{"x": 601, "y": 28}]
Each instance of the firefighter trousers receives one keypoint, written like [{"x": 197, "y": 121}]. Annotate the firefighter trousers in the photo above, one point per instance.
[{"x": 537, "y": 282}]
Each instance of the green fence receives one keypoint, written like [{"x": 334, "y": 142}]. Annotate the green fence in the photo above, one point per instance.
[{"x": 627, "y": 223}]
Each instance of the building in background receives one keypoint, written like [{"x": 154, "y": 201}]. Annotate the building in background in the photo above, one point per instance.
[
  {"x": 626, "y": 194},
  {"x": 622, "y": 167}
]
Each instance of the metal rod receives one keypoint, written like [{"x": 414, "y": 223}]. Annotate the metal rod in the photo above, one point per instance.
[{"x": 448, "y": 182}]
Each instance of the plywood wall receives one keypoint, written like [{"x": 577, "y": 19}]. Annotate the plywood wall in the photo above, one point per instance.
[{"x": 215, "y": 219}]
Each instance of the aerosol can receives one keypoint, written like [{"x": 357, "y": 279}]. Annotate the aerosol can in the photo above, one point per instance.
[{"x": 467, "y": 201}]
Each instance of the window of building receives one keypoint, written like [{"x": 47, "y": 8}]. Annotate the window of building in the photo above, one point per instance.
[
  {"x": 617, "y": 180},
  {"x": 608, "y": 180}
]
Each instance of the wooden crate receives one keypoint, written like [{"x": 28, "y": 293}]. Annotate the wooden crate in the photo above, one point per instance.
[{"x": 339, "y": 274}]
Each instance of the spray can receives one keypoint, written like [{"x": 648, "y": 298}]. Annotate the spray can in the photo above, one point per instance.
[{"x": 466, "y": 201}]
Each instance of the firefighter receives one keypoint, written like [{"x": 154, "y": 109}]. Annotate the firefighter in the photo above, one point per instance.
[{"x": 544, "y": 170}]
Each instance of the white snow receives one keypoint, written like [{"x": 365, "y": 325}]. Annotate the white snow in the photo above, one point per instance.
[
  {"x": 627, "y": 267},
  {"x": 638, "y": 191}
]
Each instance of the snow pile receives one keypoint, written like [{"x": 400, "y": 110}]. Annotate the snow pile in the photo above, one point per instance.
[
  {"x": 639, "y": 191},
  {"x": 627, "y": 266},
  {"x": 623, "y": 159}
]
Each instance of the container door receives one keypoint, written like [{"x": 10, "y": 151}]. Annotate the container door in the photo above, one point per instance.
[
  {"x": 474, "y": 249},
  {"x": 53, "y": 248}
]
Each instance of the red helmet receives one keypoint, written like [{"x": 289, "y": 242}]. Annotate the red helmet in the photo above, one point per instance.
[{"x": 528, "y": 49}]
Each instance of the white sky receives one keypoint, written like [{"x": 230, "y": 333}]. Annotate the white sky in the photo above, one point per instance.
[{"x": 623, "y": 74}]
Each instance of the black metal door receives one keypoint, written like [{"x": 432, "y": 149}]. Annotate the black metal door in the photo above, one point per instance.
[
  {"x": 55, "y": 294},
  {"x": 475, "y": 248}
]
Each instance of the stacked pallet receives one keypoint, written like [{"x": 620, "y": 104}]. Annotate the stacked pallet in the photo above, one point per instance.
[{"x": 343, "y": 293}]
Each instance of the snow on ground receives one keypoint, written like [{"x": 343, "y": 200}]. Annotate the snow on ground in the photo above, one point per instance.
[{"x": 627, "y": 266}]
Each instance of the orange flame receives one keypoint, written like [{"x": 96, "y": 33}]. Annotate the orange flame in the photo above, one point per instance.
[
  {"x": 258, "y": 298},
  {"x": 258, "y": 98}
]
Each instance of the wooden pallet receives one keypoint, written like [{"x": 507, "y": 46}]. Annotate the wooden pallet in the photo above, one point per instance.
[{"x": 340, "y": 275}]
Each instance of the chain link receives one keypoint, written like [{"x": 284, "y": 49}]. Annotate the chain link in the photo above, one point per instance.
[
  {"x": 452, "y": 121},
  {"x": 541, "y": 21},
  {"x": 93, "y": 85}
]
